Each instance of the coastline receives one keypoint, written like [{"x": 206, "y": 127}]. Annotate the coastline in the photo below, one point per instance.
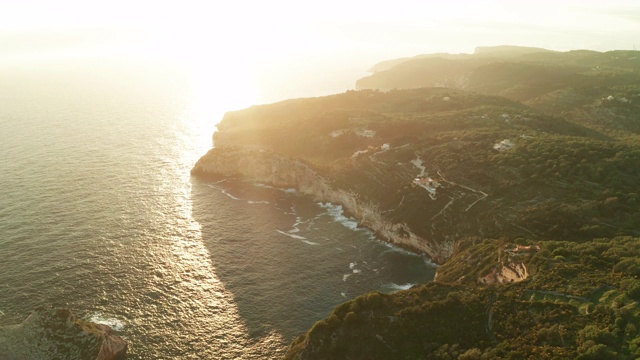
[{"x": 276, "y": 170}]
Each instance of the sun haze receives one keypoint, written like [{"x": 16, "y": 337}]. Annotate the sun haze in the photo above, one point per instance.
[{"x": 260, "y": 43}]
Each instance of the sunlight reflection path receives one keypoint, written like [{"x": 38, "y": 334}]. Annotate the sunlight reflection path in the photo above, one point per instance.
[{"x": 206, "y": 307}]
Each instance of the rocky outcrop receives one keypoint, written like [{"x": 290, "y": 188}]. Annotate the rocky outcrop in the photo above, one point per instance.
[
  {"x": 506, "y": 273},
  {"x": 58, "y": 334},
  {"x": 480, "y": 262},
  {"x": 512, "y": 266},
  {"x": 271, "y": 168}
]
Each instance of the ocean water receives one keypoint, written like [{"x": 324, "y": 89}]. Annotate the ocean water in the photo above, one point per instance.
[{"x": 98, "y": 213}]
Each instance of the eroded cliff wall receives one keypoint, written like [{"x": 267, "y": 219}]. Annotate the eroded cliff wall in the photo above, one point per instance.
[{"x": 268, "y": 167}]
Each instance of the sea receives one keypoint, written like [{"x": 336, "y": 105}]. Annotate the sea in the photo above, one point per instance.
[{"x": 99, "y": 214}]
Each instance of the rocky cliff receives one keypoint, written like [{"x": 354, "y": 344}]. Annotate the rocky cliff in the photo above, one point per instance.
[
  {"x": 277, "y": 170},
  {"x": 58, "y": 334},
  {"x": 427, "y": 167}
]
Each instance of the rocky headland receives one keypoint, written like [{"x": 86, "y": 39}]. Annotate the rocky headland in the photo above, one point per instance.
[
  {"x": 270, "y": 168},
  {"x": 517, "y": 173}
]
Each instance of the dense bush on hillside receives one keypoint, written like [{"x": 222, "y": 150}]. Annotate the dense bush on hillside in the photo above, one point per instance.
[
  {"x": 580, "y": 302},
  {"x": 527, "y": 162}
]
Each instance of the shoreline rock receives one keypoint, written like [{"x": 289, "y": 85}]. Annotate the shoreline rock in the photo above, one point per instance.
[{"x": 57, "y": 333}]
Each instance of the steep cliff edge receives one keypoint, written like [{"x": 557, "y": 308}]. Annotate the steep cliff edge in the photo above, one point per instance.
[{"x": 270, "y": 168}]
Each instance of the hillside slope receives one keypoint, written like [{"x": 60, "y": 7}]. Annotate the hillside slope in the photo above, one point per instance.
[
  {"x": 526, "y": 189},
  {"x": 584, "y": 304},
  {"x": 592, "y": 88},
  {"x": 430, "y": 166}
]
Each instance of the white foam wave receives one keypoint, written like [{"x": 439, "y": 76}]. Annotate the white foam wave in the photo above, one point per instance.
[
  {"x": 300, "y": 222},
  {"x": 337, "y": 213},
  {"x": 252, "y": 202},
  {"x": 213, "y": 184},
  {"x": 292, "y": 235},
  {"x": 345, "y": 277},
  {"x": 229, "y": 195},
  {"x": 398, "y": 287},
  {"x": 430, "y": 263},
  {"x": 288, "y": 190},
  {"x": 113, "y": 323},
  {"x": 393, "y": 248},
  {"x": 352, "y": 266},
  {"x": 310, "y": 242}
]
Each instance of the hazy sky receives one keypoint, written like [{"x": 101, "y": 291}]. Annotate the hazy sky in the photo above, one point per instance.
[
  {"x": 279, "y": 39},
  {"x": 301, "y": 28}
]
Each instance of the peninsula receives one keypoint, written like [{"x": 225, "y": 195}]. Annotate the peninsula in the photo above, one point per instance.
[{"x": 516, "y": 169}]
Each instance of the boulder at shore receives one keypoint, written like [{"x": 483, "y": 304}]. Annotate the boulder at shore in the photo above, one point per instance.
[{"x": 50, "y": 333}]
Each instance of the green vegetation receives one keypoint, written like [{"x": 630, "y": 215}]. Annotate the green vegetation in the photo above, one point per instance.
[
  {"x": 583, "y": 306},
  {"x": 527, "y": 175},
  {"x": 561, "y": 179}
]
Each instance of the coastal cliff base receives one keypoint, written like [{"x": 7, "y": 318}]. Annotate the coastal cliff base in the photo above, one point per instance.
[{"x": 277, "y": 170}]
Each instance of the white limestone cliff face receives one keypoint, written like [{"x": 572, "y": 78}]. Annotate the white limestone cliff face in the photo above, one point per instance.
[{"x": 268, "y": 167}]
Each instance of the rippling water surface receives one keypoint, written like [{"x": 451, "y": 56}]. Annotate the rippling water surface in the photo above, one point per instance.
[{"x": 98, "y": 213}]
